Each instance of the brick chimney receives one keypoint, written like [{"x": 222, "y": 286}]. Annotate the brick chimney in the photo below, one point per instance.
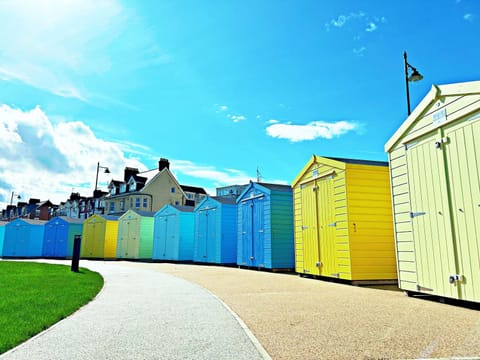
[{"x": 163, "y": 163}]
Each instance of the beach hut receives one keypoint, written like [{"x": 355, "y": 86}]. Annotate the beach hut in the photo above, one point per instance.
[
  {"x": 99, "y": 237},
  {"x": 174, "y": 233},
  {"x": 215, "y": 238},
  {"x": 23, "y": 238},
  {"x": 265, "y": 226},
  {"x": 343, "y": 220},
  {"x": 135, "y": 235},
  {"x": 2, "y": 235},
  {"x": 435, "y": 176},
  {"x": 59, "y": 234}
]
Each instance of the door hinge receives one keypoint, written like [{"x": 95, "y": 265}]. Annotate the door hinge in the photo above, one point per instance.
[
  {"x": 318, "y": 264},
  {"x": 304, "y": 227},
  {"x": 423, "y": 288},
  {"x": 333, "y": 224},
  {"x": 415, "y": 214}
]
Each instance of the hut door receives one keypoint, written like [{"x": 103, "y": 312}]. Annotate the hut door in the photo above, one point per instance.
[
  {"x": 430, "y": 217},
  {"x": 98, "y": 242},
  {"x": 133, "y": 237},
  {"x": 212, "y": 235},
  {"x": 49, "y": 242},
  {"x": 247, "y": 233},
  {"x": 253, "y": 232},
  {"x": 23, "y": 240},
  {"x": 258, "y": 229},
  {"x": 327, "y": 226},
  {"x": 171, "y": 242},
  {"x": 160, "y": 244},
  {"x": 60, "y": 240},
  {"x": 311, "y": 248},
  {"x": 463, "y": 163},
  {"x": 88, "y": 239}
]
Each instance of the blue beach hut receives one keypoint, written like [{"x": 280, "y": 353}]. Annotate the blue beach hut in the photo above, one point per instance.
[
  {"x": 265, "y": 226},
  {"x": 216, "y": 231},
  {"x": 23, "y": 238},
  {"x": 2, "y": 235},
  {"x": 59, "y": 234},
  {"x": 174, "y": 233}
]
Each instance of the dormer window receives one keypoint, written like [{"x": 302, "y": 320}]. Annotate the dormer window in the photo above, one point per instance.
[
  {"x": 123, "y": 188},
  {"x": 132, "y": 184}
]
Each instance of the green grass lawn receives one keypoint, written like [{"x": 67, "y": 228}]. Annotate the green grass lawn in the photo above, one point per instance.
[{"x": 33, "y": 296}]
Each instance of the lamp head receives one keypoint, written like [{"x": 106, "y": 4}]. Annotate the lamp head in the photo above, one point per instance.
[
  {"x": 107, "y": 171},
  {"x": 416, "y": 76}
]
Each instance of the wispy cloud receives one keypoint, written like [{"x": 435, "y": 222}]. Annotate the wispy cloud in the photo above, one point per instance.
[
  {"x": 341, "y": 20},
  {"x": 220, "y": 177},
  {"x": 220, "y": 108},
  {"x": 359, "y": 51},
  {"x": 469, "y": 17},
  {"x": 45, "y": 159},
  {"x": 59, "y": 46},
  {"x": 237, "y": 118},
  {"x": 311, "y": 131},
  {"x": 369, "y": 23},
  {"x": 371, "y": 26}
]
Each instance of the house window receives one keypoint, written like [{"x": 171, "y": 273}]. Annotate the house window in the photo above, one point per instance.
[
  {"x": 145, "y": 202},
  {"x": 122, "y": 204},
  {"x": 172, "y": 189},
  {"x": 112, "y": 206},
  {"x": 189, "y": 195},
  {"x": 131, "y": 203},
  {"x": 176, "y": 203},
  {"x": 137, "y": 202}
]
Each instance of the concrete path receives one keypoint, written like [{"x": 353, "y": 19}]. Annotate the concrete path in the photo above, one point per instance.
[{"x": 144, "y": 314}]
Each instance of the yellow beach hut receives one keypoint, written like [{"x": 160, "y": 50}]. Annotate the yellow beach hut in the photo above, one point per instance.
[
  {"x": 99, "y": 237},
  {"x": 435, "y": 175},
  {"x": 343, "y": 220}
]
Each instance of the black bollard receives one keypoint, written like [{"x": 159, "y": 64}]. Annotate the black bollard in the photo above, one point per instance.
[{"x": 77, "y": 240}]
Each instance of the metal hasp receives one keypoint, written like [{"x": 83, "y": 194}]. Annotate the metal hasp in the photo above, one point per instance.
[
  {"x": 77, "y": 241},
  {"x": 452, "y": 279}
]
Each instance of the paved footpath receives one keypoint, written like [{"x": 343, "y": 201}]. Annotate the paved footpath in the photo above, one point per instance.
[{"x": 144, "y": 314}]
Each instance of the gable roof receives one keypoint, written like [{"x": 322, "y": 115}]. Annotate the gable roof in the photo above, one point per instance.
[
  {"x": 193, "y": 189},
  {"x": 339, "y": 163},
  {"x": 435, "y": 93},
  {"x": 160, "y": 173}
]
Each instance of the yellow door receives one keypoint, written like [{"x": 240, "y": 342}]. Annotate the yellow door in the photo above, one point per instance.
[
  {"x": 326, "y": 221},
  {"x": 311, "y": 255}
]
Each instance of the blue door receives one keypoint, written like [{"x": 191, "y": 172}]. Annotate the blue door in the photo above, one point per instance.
[
  {"x": 171, "y": 237},
  {"x": 49, "y": 241},
  {"x": 165, "y": 243},
  {"x": 202, "y": 234},
  {"x": 61, "y": 239},
  {"x": 213, "y": 239},
  {"x": 258, "y": 232},
  {"x": 253, "y": 252}
]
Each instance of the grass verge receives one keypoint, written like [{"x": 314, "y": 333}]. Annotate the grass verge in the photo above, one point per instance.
[{"x": 34, "y": 296}]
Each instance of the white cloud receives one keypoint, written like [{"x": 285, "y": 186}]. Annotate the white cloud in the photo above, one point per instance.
[
  {"x": 237, "y": 118},
  {"x": 310, "y": 131},
  {"x": 206, "y": 172},
  {"x": 469, "y": 17},
  {"x": 57, "y": 46},
  {"x": 359, "y": 51},
  {"x": 370, "y": 23},
  {"x": 341, "y": 20},
  {"x": 220, "y": 108},
  {"x": 371, "y": 27},
  {"x": 46, "y": 160},
  {"x": 272, "y": 121}
]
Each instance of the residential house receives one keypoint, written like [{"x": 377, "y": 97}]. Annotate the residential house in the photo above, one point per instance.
[{"x": 138, "y": 193}]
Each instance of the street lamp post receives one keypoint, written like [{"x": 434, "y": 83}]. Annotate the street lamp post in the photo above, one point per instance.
[
  {"x": 415, "y": 76},
  {"x": 107, "y": 171},
  {"x": 11, "y": 203}
]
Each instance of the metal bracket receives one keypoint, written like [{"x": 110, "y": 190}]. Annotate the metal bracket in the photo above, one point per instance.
[
  {"x": 415, "y": 214},
  {"x": 452, "y": 279}
]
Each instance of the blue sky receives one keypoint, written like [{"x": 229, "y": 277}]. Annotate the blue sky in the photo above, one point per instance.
[{"x": 220, "y": 88}]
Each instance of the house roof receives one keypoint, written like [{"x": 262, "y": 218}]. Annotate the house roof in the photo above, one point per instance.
[
  {"x": 30, "y": 221},
  {"x": 270, "y": 186},
  {"x": 194, "y": 189},
  {"x": 68, "y": 219},
  {"x": 435, "y": 93},
  {"x": 169, "y": 173},
  {"x": 184, "y": 208},
  {"x": 225, "y": 200}
]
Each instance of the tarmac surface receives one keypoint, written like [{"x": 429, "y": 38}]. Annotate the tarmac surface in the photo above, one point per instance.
[{"x": 144, "y": 314}]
